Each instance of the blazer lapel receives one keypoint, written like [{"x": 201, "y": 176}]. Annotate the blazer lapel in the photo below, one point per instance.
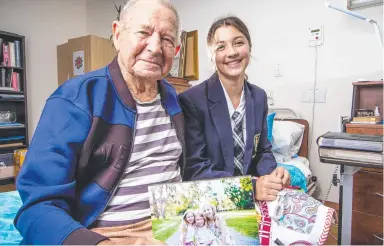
[
  {"x": 218, "y": 109},
  {"x": 250, "y": 124}
]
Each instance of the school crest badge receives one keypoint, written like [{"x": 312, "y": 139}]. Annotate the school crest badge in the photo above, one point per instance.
[{"x": 256, "y": 139}]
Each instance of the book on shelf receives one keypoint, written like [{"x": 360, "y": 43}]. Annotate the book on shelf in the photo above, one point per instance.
[
  {"x": 9, "y": 80},
  {"x": 11, "y": 125},
  {"x": 1, "y": 50},
  {"x": 10, "y": 145},
  {"x": 366, "y": 120},
  {"x": 18, "y": 157},
  {"x": 17, "y": 53},
  {"x": 11, "y": 139},
  {"x": 10, "y": 53},
  {"x": 351, "y": 155},
  {"x": 11, "y": 96},
  {"x": 351, "y": 162},
  {"x": 342, "y": 140},
  {"x": 2, "y": 78},
  {"x": 6, "y": 56}
]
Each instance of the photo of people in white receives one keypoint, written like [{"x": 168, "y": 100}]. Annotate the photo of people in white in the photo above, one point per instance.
[{"x": 204, "y": 227}]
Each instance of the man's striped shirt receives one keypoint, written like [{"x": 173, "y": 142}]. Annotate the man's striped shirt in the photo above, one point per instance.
[{"x": 154, "y": 158}]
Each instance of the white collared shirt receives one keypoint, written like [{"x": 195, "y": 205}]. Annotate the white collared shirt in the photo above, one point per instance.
[{"x": 240, "y": 109}]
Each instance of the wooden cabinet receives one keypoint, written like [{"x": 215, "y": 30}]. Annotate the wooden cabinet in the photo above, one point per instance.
[
  {"x": 367, "y": 230},
  {"x": 367, "y": 95},
  {"x": 368, "y": 192},
  {"x": 367, "y": 216},
  {"x": 93, "y": 53}
]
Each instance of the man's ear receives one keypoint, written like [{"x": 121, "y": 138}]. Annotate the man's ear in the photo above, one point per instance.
[{"x": 116, "y": 31}]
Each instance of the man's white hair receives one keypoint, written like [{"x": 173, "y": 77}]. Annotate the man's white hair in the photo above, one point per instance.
[{"x": 166, "y": 3}]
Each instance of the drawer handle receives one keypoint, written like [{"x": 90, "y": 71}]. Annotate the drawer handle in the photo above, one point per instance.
[
  {"x": 380, "y": 238},
  {"x": 378, "y": 194}
]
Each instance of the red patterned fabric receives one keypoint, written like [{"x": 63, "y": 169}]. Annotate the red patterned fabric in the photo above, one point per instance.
[{"x": 265, "y": 224}]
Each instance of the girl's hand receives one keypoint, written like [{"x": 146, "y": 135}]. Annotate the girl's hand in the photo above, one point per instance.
[
  {"x": 267, "y": 187},
  {"x": 282, "y": 174}
]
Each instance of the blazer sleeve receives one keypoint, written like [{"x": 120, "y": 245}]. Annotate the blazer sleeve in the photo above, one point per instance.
[
  {"x": 46, "y": 181},
  {"x": 264, "y": 162},
  {"x": 198, "y": 166}
]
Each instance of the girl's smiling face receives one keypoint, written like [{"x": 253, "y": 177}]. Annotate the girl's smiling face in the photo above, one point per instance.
[
  {"x": 232, "y": 51},
  {"x": 190, "y": 218},
  {"x": 200, "y": 220},
  {"x": 207, "y": 210}
]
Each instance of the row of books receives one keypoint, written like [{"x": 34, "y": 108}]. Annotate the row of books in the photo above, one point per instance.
[
  {"x": 11, "y": 125},
  {"x": 9, "y": 80},
  {"x": 364, "y": 149},
  {"x": 366, "y": 120},
  {"x": 10, "y": 53},
  {"x": 11, "y": 142},
  {"x": 11, "y": 96}
]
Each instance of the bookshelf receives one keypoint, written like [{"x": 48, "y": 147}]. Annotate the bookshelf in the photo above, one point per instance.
[{"x": 13, "y": 101}]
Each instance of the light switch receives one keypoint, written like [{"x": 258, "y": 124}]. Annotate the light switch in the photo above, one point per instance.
[
  {"x": 307, "y": 95},
  {"x": 321, "y": 95}
]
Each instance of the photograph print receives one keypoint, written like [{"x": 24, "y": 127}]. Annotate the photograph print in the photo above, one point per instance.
[{"x": 208, "y": 212}]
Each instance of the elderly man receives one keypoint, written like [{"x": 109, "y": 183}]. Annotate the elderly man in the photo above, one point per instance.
[{"x": 104, "y": 137}]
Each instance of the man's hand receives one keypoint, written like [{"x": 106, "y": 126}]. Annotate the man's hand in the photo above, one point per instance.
[{"x": 282, "y": 174}]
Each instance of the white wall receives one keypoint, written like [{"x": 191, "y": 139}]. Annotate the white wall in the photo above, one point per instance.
[
  {"x": 45, "y": 24},
  {"x": 100, "y": 15},
  {"x": 279, "y": 31}
]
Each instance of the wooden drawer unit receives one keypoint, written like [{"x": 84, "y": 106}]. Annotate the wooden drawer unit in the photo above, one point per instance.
[
  {"x": 367, "y": 216},
  {"x": 367, "y": 229},
  {"x": 368, "y": 192}
]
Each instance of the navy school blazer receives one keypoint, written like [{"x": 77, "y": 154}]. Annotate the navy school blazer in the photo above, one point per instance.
[{"x": 208, "y": 132}]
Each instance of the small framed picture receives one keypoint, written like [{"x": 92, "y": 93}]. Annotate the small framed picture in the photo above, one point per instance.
[
  {"x": 78, "y": 63},
  {"x": 178, "y": 66},
  {"x": 192, "y": 56}
]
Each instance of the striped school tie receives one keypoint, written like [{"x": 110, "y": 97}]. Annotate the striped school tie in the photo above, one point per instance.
[{"x": 238, "y": 143}]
